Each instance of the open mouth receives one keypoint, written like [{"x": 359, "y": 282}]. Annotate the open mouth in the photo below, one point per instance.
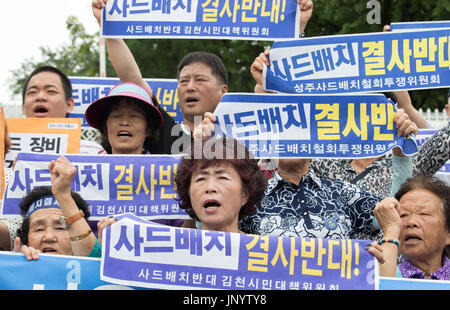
[
  {"x": 412, "y": 238},
  {"x": 191, "y": 100},
  {"x": 211, "y": 203},
  {"x": 124, "y": 133},
  {"x": 49, "y": 251},
  {"x": 40, "y": 110}
]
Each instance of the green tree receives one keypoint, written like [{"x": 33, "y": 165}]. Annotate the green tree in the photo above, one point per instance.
[{"x": 79, "y": 57}]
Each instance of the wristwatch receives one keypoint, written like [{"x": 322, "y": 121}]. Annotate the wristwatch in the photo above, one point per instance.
[{"x": 65, "y": 222}]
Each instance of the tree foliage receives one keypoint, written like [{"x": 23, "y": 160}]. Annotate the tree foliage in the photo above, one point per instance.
[
  {"x": 158, "y": 58},
  {"x": 78, "y": 57}
]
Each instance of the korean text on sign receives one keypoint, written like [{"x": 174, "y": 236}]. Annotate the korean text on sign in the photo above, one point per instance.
[
  {"x": 217, "y": 19},
  {"x": 374, "y": 62},
  {"x": 344, "y": 126},
  {"x": 159, "y": 256}
]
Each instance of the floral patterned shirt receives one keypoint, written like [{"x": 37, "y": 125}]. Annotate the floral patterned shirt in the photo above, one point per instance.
[
  {"x": 316, "y": 208},
  {"x": 407, "y": 270}
]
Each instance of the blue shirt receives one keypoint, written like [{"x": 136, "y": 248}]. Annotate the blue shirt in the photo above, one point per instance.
[{"x": 317, "y": 208}]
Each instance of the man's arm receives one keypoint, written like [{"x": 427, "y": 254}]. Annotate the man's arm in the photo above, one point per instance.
[
  {"x": 404, "y": 102},
  {"x": 306, "y": 9},
  {"x": 256, "y": 69},
  {"x": 120, "y": 55}
]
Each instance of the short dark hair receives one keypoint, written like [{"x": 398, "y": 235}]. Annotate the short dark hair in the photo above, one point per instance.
[
  {"x": 253, "y": 179},
  {"x": 435, "y": 186},
  {"x": 67, "y": 85},
  {"x": 155, "y": 132},
  {"x": 211, "y": 60},
  {"x": 35, "y": 194}
]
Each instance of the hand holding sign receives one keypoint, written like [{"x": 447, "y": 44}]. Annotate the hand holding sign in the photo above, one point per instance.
[
  {"x": 29, "y": 252},
  {"x": 306, "y": 8},
  {"x": 97, "y": 7},
  {"x": 257, "y": 67},
  {"x": 206, "y": 127}
]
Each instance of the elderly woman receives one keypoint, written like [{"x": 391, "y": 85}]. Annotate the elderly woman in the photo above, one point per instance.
[
  {"x": 415, "y": 223},
  {"x": 130, "y": 122},
  {"x": 219, "y": 185},
  {"x": 128, "y": 119},
  {"x": 55, "y": 218}
]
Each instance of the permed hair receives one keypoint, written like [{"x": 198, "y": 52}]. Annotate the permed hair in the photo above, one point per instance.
[
  {"x": 435, "y": 186},
  {"x": 254, "y": 182}
]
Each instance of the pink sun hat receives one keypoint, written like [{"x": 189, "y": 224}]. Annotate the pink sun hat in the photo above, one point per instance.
[{"x": 96, "y": 110}]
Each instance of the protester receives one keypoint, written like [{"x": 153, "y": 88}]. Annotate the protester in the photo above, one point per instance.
[
  {"x": 55, "y": 219},
  {"x": 375, "y": 175},
  {"x": 128, "y": 120},
  {"x": 416, "y": 224},
  {"x": 47, "y": 92},
  {"x": 220, "y": 187},
  {"x": 290, "y": 215},
  {"x": 202, "y": 81},
  {"x": 298, "y": 203},
  {"x": 129, "y": 123}
]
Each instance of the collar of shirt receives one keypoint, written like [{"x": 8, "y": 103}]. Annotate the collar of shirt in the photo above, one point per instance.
[
  {"x": 185, "y": 128},
  {"x": 277, "y": 180},
  {"x": 408, "y": 270}
]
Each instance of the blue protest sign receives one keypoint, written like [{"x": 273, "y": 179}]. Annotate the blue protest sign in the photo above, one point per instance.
[
  {"x": 112, "y": 184},
  {"x": 52, "y": 272},
  {"x": 414, "y": 26},
  {"x": 149, "y": 255},
  {"x": 301, "y": 126},
  {"x": 374, "y": 62},
  {"x": 86, "y": 90},
  {"x": 202, "y": 19},
  {"x": 60, "y": 272},
  {"x": 412, "y": 284}
]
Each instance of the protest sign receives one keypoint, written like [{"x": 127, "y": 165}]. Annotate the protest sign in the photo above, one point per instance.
[
  {"x": 113, "y": 184},
  {"x": 61, "y": 272},
  {"x": 202, "y": 19},
  {"x": 43, "y": 135},
  {"x": 412, "y": 284},
  {"x": 301, "y": 126},
  {"x": 414, "y": 26},
  {"x": 373, "y": 62},
  {"x": 86, "y": 90},
  {"x": 52, "y": 272},
  {"x": 145, "y": 254}
]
